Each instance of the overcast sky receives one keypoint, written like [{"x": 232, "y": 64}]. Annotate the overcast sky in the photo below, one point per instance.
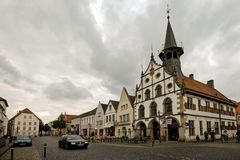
[{"x": 66, "y": 56}]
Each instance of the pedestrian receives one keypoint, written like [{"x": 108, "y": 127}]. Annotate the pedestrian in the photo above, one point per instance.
[
  {"x": 212, "y": 133},
  {"x": 197, "y": 138},
  {"x": 206, "y": 136},
  {"x": 225, "y": 136},
  {"x": 238, "y": 136}
]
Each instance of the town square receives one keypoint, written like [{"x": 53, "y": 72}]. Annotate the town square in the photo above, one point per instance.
[{"x": 119, "y": 80}]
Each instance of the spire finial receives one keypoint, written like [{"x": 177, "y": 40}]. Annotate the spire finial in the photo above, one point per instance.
[
  {"x": 151, "y": 48},
  {"x": 168, "y": 12}
]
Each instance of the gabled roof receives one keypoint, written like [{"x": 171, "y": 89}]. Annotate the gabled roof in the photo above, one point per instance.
[
  {"x": 89, "y": 113},
  {"x": 130, "y": 97},
  {"x": 114, "y": 103},
  {"x": 104, "y": 107},
  {"x": 4, "y": 100},
  {"x": 26, "y": 110},
  {"x": 201, "y": 89}
]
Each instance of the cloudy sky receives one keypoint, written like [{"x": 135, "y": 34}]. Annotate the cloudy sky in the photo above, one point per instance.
[{"x": 66, "y": 56}]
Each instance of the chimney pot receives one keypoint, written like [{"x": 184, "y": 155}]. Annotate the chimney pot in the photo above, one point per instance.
[
  {"x": 191, "y": 76},
  {"x": 210, "y": 83}
]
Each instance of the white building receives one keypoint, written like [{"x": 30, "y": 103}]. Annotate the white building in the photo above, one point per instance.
[
  {"x": 175, "y": 107},
  {"x": 75, "y": 124},
  {"x": 99, "y": 118},
  {"x": 124, "y": 125},
  {"x": 110, "y": 118},
  {"x": 24, "y": 123},
  {"x": 3, "y": 117},
  {"x": 87, "y": 123}
]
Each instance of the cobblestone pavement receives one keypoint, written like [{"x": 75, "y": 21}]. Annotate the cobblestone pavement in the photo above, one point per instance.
[
  {"x": 22, "y": 153},
  {"x": 124, "y": 151},
  {"x": 118, "y": 151}
]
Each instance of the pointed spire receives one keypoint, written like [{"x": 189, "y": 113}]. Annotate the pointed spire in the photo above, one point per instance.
[{"x": 170, "y": 39}]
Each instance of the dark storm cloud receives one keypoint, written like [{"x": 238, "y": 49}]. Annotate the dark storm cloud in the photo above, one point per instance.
[{"x": 66, "y": 90}]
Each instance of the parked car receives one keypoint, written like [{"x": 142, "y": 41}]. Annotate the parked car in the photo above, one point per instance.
[
  {"x": 72, "y": 141},
  {"x": 22, "y": 141}
]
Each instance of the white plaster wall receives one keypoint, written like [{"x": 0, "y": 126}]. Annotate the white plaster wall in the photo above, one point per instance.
[{"x": 20, "y": 118}]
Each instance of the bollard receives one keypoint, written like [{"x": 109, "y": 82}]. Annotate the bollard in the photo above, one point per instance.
[
  {"x": 45, "y": 150},
  {"x": 11, "y": 153}
]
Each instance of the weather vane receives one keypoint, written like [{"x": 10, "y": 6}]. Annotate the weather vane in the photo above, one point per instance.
[{"x": 168, "y": 11}]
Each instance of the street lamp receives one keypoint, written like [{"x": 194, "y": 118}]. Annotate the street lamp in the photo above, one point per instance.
[{"x": 159, "y": 127}]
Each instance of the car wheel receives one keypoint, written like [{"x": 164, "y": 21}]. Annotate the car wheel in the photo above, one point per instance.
[{"x": 66, "y": 146}]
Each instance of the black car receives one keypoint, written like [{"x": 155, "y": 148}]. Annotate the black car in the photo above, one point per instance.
[
  {"x": 22, "y": 141},
  {"x": 72, "y": 141}
]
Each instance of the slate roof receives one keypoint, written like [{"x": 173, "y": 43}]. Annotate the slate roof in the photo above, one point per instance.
[
  {"x": 4, "y": 100},
  {"x": 104, "y": 107},
  {"x": 89, "y": 113},
  {"x": 114, "y": 103},
  {"x": 169, "y": 39}
]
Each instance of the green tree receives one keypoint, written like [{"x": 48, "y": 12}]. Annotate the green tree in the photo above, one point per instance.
[{"x": 59, "y": 123}]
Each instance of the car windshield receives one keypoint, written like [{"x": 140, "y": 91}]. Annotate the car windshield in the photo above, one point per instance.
[
  {"x": 25, "y": 138},
  {"x": 74, "y": 137}
]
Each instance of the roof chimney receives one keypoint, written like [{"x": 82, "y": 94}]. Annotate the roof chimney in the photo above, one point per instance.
[
  {"x": 210, "y": 83},
  {"x": 191, "y": 76}
]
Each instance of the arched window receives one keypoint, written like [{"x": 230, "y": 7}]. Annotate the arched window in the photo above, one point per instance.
[
  {"x": 158, "y": 90},
  {"x": 147, "y": 94},
  {"x": 141, "y": 112},
  {"x": 168, "y": 105},
  {"x": 153, "y": 109}
]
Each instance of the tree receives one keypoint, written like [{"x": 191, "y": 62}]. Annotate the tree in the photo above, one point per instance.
[
  {"x": 59, "y": 123},
  {"x": 46, "y": 128}
]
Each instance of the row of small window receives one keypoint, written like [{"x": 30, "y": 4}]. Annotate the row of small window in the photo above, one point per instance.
[
  {"x": 24, "y": 128},
  {"x": 157, "y": 76},
  {"x": 231, "y": 126},
  {"x": 207, "y": 108},
  {"x": 110, "y": 118},
  {"x": 158, "y": 92},
  {"x": 28, "y": 134},
  {"x": 29, "y": 123},
  {"x": 124, "y": 118},
  {"x": 87, "y": 120},
  {"x": 124, "y": 107},
  {"x": 167, "y": 106},
  {"x": 25, "y": 117}
]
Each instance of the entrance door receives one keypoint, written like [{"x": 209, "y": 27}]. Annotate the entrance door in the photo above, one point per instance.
[
  {"x": 173, "y": 134},
  {"x": 156, "y": 130}
]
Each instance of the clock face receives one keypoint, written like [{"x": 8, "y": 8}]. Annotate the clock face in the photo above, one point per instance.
[{"x": 152, "y": 71}]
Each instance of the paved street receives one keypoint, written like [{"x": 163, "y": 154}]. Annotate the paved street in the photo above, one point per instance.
[{"x": 118, "y": 151}]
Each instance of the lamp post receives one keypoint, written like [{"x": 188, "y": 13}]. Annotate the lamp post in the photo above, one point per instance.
[
  {"x": 220, "y": 120},
  {"x": 159, "y": 127}
]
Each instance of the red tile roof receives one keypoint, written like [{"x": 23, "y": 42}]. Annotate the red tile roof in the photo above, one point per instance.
[
  {"x": 238, "y": 108},
  {"x": 199, "y": 88},
  {"x": 68, "y": 117},
  {"x": 26, "y": 110}
]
